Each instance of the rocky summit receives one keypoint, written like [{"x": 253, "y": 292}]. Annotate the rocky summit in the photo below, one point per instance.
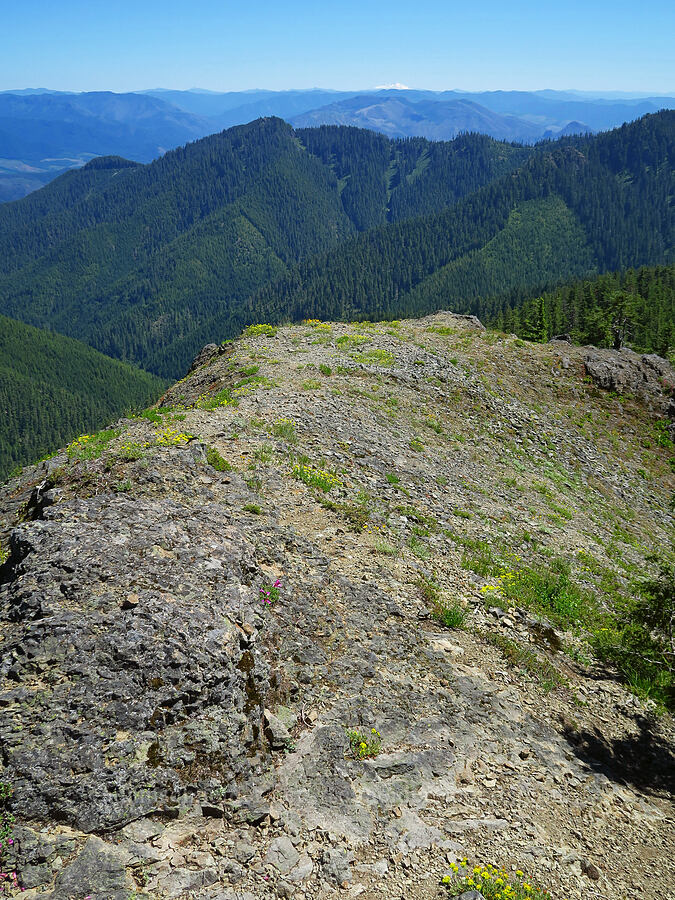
[{"x": 325, "y": 623}]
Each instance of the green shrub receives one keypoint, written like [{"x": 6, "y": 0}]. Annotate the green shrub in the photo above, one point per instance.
[
  {"x": 418, "y": 547},
  {"x": 131, "y": 450},
  {"x": 6, "y": 822},
  {"x": 491, "y": 883},
  {"x": 641, "y": 643},
  {"x": 285, "y": 429},
  {"x": 524, "y": 658},
  {"x": 250, "y": 383},
  {"x": 376, "y": 356},
  {"x": 157, "y": 414},
  {"x": 478, "y": 557},
  {"x": 450, "y": 613},
  {"x": 318, "y": 478},
  {"x": 171, "y": 437},
  {"x": 550, "y": 591},
  {"x": 385, "y": 548},
  {"x": 355, "y": 513},
  {"x": 221, "y": 398},
  {"x": 254, "y": 483},
  {"x": 264, "y": 453},
  {"x": 216, "y": 461},
  {"x": 325, "y": 370},
  {"x": 347, "y": 341},
  {"x": 418, "y": 517}
]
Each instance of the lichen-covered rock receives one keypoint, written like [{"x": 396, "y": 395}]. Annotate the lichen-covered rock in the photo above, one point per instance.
[
  {"x": 98, "y": 872},
  {"x": 113, "y": 706},
  {"x": 276, "y": 732},
  {"x": 206, "y": 355}
]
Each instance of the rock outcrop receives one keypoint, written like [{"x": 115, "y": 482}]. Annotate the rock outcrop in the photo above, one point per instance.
[
  {"x": 171, "y": 727},
  {"x": 646, "y": 376}
]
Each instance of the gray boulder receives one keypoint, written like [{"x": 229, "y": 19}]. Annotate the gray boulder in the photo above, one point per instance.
[
  {"x": 98, "y": 872},
  {"x": 276, "y": 732},
  {"x": 648, "y": 377},
  {"x": 282, "y": 855}
]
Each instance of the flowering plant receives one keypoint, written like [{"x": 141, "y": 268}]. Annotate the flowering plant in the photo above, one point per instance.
[
  {"x": 363, "y": 744},
  {"x": 9, "y": 880},
  {"x": 493, "y": 883},
  {"x": 270, "y": 592}
]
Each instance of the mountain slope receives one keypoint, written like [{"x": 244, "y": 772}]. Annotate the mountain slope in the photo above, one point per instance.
[
  {"x": 541, "y": 240},
  {"x": 39, "y": 127},
  {"x": 432, "y": 119},
  {"x": 134, "y": 259},
  {"x": 636, "y": 306},
  {"x": 53, "y": 388},
  {"x": 616, "y": 187},
  {"x": 43, "y": 133},
  {"x": 422, "y": 530},
  {"x": 235, "y": 198},
  {"x": 148, "y": 262}
]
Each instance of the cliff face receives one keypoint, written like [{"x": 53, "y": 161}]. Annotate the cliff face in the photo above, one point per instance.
[{"x": 200, "y": 606}]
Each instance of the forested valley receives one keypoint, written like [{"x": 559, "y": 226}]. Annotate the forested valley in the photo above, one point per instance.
[{"x": 53, "y": 388}]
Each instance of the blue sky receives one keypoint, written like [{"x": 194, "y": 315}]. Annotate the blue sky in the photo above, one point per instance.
[{"x": 123, "y": 46}]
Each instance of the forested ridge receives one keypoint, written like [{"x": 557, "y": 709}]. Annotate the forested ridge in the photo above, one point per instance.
[
  {"x": 148, "y": 262},
  {"x": 53, "y": 388},
  {"x": 136, "y": 259},
  {"x": 584, "y": 206},
  {"x": 633, "y": 306}
]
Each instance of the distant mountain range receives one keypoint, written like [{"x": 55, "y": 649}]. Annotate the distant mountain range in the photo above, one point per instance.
[
  {"x": 240, "y": 107},
  {"x": 439, "y": 120},
  {"x": 43, "y": 133}
]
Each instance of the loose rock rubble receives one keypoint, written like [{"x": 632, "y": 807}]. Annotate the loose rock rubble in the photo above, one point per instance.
[{"x": 167, "y": 734}]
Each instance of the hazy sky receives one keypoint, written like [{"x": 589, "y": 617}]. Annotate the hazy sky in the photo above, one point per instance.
[{"x": 439, "y": 44}]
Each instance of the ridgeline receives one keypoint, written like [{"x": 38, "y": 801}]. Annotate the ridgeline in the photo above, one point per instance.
[{"x": 350, "y": 605}]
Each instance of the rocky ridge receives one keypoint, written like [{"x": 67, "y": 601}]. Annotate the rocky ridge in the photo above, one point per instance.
[{"x": 168, "y": 734}]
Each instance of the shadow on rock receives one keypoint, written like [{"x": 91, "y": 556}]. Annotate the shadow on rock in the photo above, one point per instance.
[{"x": 645, "y": 760}]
